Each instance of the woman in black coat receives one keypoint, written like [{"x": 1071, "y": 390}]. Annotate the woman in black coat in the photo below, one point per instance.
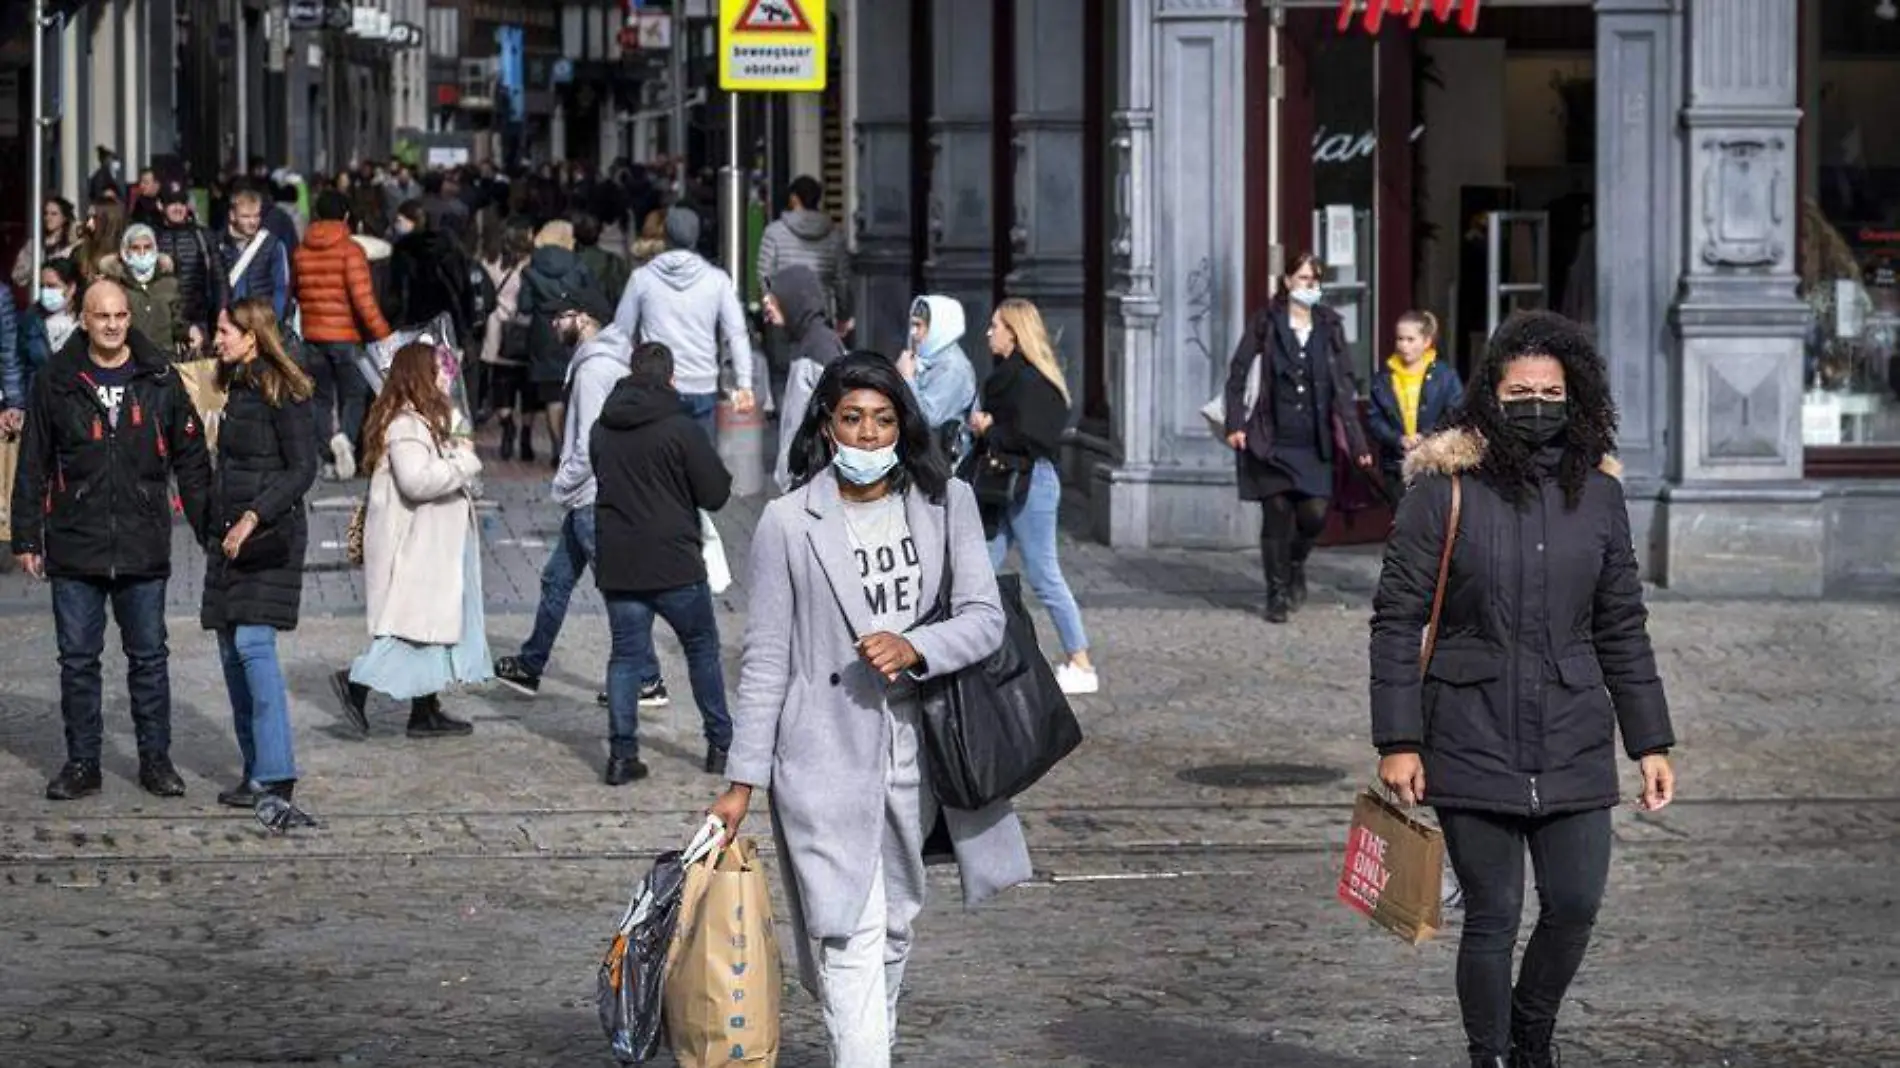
[
  {"x": 553, "y": 270},
  {"x": 1289, "y": 386},
  {"x": 266, "y": 462},
  {"x": 1542, "y": 655}
]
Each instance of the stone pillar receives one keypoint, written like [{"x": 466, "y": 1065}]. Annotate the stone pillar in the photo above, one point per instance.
[
  {"x": 1740, "y": 520},
  {"x": 1177, "y": 303},
  {"x": 881, "y": 216},
  {"x": 1639, "y": 246},
  {"x": 961, "y": 256},
  {"x": 1046, "y": 233}
]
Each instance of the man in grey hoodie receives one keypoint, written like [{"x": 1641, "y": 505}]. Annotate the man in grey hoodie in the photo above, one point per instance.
[
  {"x": 691, "y": 307},
  {"x": 582, "y": 320},
  {"x": 804, "y": 237}
]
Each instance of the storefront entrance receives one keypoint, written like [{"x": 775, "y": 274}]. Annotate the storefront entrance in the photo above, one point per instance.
[{"x": 1429, "y": 169}]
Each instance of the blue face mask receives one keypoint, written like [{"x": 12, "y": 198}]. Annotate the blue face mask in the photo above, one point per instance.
[
  {"x": 142, "y": 264},
  {"x": 863, "y": 467},
  {"x": 53, "y": 300},
  {"x": 1308, "y": 297}
]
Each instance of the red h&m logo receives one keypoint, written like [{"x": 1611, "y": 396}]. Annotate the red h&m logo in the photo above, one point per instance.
[{"x": 1376, "y": 11}]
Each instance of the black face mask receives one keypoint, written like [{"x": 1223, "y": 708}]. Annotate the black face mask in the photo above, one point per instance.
[{"x": 1536, "y": 422}]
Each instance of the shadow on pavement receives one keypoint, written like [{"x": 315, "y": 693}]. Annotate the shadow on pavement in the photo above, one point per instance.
[
  {"x": 36, "y": 734},
  {"x": 1128, "y": 1040}
]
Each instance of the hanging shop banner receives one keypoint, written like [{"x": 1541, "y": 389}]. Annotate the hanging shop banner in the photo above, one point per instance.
[
  {"x": 1413, "y": 11},
  {"x": 772, "y": 46}
]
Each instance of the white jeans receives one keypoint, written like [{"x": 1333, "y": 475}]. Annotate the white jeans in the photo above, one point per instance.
[{"x": 861, "y": 976}]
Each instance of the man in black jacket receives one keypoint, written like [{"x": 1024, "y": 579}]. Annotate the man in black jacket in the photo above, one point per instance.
[
  {"x": 657, "y": 470},
  {"x": 110, "y": 427},
  {"x": 190, "y": 247}
]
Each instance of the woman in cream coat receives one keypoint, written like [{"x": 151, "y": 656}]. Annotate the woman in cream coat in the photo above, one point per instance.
[
  {"x": 843, "y": 568},
  {"x": 421, "y": 554}
]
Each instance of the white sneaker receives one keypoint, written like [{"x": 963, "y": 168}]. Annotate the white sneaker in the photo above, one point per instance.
[
  {"x": 345, "y": 457},
  {"x": 1076, "y": 681}
]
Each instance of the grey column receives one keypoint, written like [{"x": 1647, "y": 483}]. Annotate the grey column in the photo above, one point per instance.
[
  {"x": 1639, "y": 222},
  {"x": 1177, "y": 304},
  {"x": 1741, "y": 521},
  {"x": 881, "y": 215},
  {"x": 1046, "y": 233},
  {"x": 960, "y": 262}
]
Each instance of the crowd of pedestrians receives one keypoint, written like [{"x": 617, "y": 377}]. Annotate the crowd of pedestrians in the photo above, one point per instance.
[{"x": 163, "y": 368}]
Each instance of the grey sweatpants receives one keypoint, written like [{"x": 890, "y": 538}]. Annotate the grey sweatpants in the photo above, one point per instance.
[{"x": 859, "y": 977}]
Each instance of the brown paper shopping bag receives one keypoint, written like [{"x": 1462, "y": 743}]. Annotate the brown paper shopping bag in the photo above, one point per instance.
[
  {"x": 722, "y": 980},
  {"x": 201, "y": 384},
  {"x": 9, "y": 467},
  {"x": 1394, "y": 863}
]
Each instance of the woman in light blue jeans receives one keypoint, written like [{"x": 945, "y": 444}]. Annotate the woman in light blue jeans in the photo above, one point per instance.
[
  {"x": 267, "y": 460},
  {"x": 1025, "y": 410}
]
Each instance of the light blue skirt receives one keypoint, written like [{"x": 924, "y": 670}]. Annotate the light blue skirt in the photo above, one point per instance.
[{"x": 405, "y": 670}]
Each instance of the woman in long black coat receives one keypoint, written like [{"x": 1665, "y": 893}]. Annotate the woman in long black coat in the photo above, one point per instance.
[
  {"x": 1542, "y": 654},
  {"x": 266, "y": 462},
  {"x": 1289, "y": 385}
]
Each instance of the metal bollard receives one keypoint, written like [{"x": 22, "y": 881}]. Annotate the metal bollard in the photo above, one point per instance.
[{"x": 742, "y": 447}]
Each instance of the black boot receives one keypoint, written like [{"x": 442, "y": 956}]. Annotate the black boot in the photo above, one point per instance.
[
  {"x": 158, "y": 776},
  {"x": 243, "y": 795},
  {"x": 622, "y": 770},
  {"x": 427, "y": 720},
  {"x": 1296, "y": 587},
  {"x": 1486, "y": 1060},
  {"x": 79, "y": 778},
  {"x": 354, "y": 697},
  {"x": 527, "y": 444},
  {"x": 507, "y": 437},
  {"x": 1531, "y": 1046},
  {"x": 1279, "y": 581}
]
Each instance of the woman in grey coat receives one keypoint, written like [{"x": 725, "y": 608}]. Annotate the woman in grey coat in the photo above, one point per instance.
[{"x": 843, "y": 569}]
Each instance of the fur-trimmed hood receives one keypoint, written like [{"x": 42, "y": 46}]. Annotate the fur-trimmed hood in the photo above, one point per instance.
[
  {"x": 113, "y": 267},
  {"x": 1455, "y": 451}
]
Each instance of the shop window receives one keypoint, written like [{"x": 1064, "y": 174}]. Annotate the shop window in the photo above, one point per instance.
[{"x": 1850, "y": 237}]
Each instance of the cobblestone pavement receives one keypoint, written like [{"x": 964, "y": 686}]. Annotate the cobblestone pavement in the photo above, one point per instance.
[{"x": 452, "y": 909}]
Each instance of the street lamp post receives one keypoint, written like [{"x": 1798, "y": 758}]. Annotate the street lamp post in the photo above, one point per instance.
[{"x": 37, "y": 185}]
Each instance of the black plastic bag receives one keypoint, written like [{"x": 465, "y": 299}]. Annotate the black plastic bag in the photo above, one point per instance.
[{"x": 634, "y": 969}]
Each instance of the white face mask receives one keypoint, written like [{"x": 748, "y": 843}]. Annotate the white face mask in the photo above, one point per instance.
[
  {"x": 864, "y": 467},
  {"x": 1309, "y": 296}
]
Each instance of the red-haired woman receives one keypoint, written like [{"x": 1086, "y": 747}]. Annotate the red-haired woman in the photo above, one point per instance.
[{"x": 421, "y": 551}]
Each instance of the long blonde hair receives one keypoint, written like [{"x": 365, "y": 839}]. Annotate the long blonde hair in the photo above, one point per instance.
[{"x": 1032, "y": 340}]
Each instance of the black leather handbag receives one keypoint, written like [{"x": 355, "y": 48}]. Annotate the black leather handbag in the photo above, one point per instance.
[{"x": 993, "y": 729}]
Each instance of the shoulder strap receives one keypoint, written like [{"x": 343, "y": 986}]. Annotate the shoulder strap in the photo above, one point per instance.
[
  {"x": 244, "y": 261},
  {"x": 1430, "y": 640}
]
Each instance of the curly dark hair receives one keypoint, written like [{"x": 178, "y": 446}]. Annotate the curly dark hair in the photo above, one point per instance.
[
  {"x": 1589, "y": 432},
  {"x": 919, "y": 462}
]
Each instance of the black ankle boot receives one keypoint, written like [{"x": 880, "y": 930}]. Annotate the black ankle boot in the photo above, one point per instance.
[
  {"x": 427, "y": 720},
  {"x": 527, "y": 444},
  {"x": 1296, "y": 589},
  {"x": 243, "y": 795},
  {"x": 1279, "y": 601},
  {"x": 508, "y": 437},
  {"x": 1532, "y": 1047}
]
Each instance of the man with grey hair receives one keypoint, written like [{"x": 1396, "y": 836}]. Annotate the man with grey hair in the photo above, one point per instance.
[
  {"x": 108, "y": 427},
  {"x": 691, "y": 307}
]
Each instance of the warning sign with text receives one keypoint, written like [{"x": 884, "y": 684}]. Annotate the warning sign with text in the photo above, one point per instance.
[{"x": 772, "y": 46}]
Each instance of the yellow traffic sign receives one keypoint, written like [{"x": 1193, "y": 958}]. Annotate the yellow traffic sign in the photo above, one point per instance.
[{"x": 772, "y": 46}]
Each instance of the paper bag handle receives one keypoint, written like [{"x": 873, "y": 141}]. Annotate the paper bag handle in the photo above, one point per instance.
[{"x": 1382, "y": 792}]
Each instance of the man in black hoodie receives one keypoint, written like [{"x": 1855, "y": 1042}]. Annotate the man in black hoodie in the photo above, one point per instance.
[
  {"x": 109, "y": 428},
  {"x": 656, "y": 471}
]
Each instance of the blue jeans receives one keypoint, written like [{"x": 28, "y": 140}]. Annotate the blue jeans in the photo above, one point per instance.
[
  {"x": 689, "y": 611},
  {"x": 1031, "y": 526},
  {"x": 260, "y": 704},
  {"x": 704, "y": 409},
  {"x": 79, "y": 626},
  {"x": 343, "y": 395}
]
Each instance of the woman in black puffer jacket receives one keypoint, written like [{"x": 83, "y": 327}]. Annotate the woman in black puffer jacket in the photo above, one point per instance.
[
  {"x": 1542, "y": 654},
  {"x": 553, "y": 270},
  {"x": 267, "y": 461}
]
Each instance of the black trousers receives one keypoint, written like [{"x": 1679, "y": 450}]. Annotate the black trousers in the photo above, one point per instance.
[
  {"x": 1570, "y": 854},
  {"x": 1289, "y": 525}
]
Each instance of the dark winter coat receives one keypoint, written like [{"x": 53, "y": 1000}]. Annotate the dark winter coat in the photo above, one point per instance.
[
  {"x": 1543, "y": 649},
  {"x": 93, "y": 498},
  {"x": 428, "y": 276},
  {"x": 657, "y": 470},
  {"x": 1436, "y": 400},
  {"x": 552, "y": 271},
  {"x": 267, "y": 275},
  {"x": 609, "y": 270},
  {"x": 200, "y": 284},
  {"x": 267, "y": 462},
  {"x": 1028, "y": 412},
  {"x": 1270, "y": 336}
]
